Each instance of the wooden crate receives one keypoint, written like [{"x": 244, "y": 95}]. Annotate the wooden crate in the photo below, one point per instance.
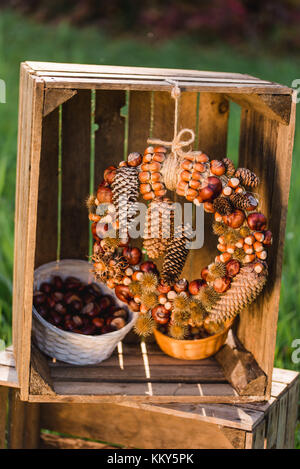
[
  {"x": 163, "y": 426},
  {"x": 61, "y": 156}
]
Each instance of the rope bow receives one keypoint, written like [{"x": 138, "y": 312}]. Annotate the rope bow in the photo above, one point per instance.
[{"x": 172, "y": 163}]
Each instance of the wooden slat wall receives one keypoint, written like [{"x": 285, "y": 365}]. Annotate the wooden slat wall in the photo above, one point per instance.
[
  {"x": 109, "y": 138},
  {"x": 46, "y": 241},
  {"x": 266, "y": 147},
  {"x": 213, "y": 126},
  {"x": 29, "y": 145},
  {"x": 76, "y": 139}
]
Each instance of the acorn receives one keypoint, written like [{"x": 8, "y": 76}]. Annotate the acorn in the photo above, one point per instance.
[
  {"x": 134, "y": 159},
  {"x": 160, "y": 314},
  {"x": 257, "y": 221}
]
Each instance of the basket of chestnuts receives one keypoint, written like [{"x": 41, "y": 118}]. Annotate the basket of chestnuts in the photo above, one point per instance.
[{"x": 75, "y": 319}]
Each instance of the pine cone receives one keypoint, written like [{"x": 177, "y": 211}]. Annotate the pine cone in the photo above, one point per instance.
[
  {"x": 242, "y": 201},
  {"x": 125, "y": 187},
  {"x": 245, "y": 288},
  {"x": 229, "y": 167},
  {"x": 247, "y": 177},
  {"x": 158, "y": 227},
  {"x": 223, "y": 206},
  {"x": 177, "y": 252}
]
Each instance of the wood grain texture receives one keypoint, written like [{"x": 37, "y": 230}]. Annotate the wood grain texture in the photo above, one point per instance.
[
  {"x": 3, "y": 415},
  {"x": 23, "y": 424},
  {"x": 137, "y": 428},
  {"x": 292, "y": 415},
  {"x": 76, "y": 139},
  {"x": 108, "y": 149},
  {"x": 54, "y": 98},
  {"x": 29, "y": 146},
  {"x": 50, "y": 441},
  {"x": 139, "y": 120},
  {"x": 47, "y": 211},
  {"x": 213, "y": 125},
  {"x": 266, "y": 147},
  {"x": 240, "y": 368}
]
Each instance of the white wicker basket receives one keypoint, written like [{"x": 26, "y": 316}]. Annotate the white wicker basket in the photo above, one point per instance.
[{"x": 70, "y": 347}]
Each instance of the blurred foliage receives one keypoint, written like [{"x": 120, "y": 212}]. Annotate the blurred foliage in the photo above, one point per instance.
[{"x": 272, "y": 23}]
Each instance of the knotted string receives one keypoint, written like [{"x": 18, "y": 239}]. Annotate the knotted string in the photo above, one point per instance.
[{"x": 170, "y": 169}]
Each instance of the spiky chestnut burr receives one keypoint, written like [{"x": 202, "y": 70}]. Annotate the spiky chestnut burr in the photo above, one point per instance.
[
  {"x": 149, "y": 282},
  {"x": 149, "y": 299},
  {"x": 180, "y": 318},
  {"x": 197, "y": 312},
  {"x": 208, "y": 297},
  {"x": 178, "y": 332},
  {"x": 247, "y": 177},
  {"x": 180, "y": 303},
  {"x": 229, "y": 167},
  {"x": 231, "y": 236},
  {"x": 239, "y": 254},
  {"x": 223, "y": 206},
  {"x": 135, "y": 288},
  {"x": 144, "y": 325},
  {"x": 245, "y": 231},
  {"x": 216, "y": 270}
]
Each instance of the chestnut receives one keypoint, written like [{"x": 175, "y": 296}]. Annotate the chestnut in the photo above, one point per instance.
[
  {"x": 109, "y": 174},
  {"x": 132, "y": 255},
  {"x": 232, "y": 268},
  {"x": 195, "y": 286},
  {"x": 134, "y": 159},
  {"x": 58, "y": 283},
  {"x": 91, "y": 309},
  {"x": 123, "y": 293},
  {"x": 98, "y": 322},
  {"x": 120, "y": 312},
  {"x": 268, "y": 239},
  {"x": 42, "y": 310},
  {"x": 160, "y": 314},
  {"x": 163, "y": 287},
  {"x": 46, "y": 287},
  {"x": 148, "y": 266},
  {"x": 222, "y": 284},
  {"x": 104, "y": 194},
  {"x": 235, "y": 219},
  {"x": 134, "y": 306},
  {"x": 104, "y": 302},
  {"x": 118, "y": 323},
  {"x": 257, "y": 221},
  {"x": 39, "y": 298},
  {"x": 205, "y": 273},
  {"x": 72, "y": 283},
  {"x": 181, "y": 285},
  {"x": 56, "y": 318},
  {"x": 60, "y": 308}
]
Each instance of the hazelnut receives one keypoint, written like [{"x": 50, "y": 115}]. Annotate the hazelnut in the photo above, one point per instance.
[
  {"x": 217, "y": 167},
  {"x": 104, "y": 194}
]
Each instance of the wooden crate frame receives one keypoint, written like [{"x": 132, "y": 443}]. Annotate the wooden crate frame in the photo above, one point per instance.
[
  {"x": 171, "y": 426},
  {"x": 56, "y": 117}
]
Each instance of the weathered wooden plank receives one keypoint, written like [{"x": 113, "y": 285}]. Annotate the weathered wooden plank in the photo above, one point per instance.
[
  {"x": 240, "y": 368},
  {"x": 47, "y": 210},
  {"x": 272, "y": 426},
  {"x": 284, "y": 376},
  {"x": 54, "y": 98},
  {"x": 76, "y": 139},
  {"x": 139, "y": 120},
  {"x": 137, "y": 428},
  {"x": 8, "y": 376},
  {"x": 109, "y": 138},
  {"x": 266, "y": 147},
  {"x": 23, "y": 423},
  {"x": 258, "y": 436},
  {"x": 292, "y": 414},
  {"x": 51, "y": 441},
  {"x": 277, "y": 107},
  {"x": 7, "y": 358},
  {"x": 3, "y": 415},
  {"x": 282, "y": 422}
]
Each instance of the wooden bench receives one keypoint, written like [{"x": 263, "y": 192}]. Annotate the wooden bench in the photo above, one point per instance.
[{"x": 269, "y": 424}]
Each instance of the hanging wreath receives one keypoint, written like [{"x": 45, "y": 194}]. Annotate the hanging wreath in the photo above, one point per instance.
[{"x": 179, "y": 308}]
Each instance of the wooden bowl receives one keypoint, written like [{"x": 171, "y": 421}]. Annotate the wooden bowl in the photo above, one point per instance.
[{"x": 192, "y": 349}]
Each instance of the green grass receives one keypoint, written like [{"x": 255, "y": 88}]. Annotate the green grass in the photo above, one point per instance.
[{"x": 21, "y": 39}]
